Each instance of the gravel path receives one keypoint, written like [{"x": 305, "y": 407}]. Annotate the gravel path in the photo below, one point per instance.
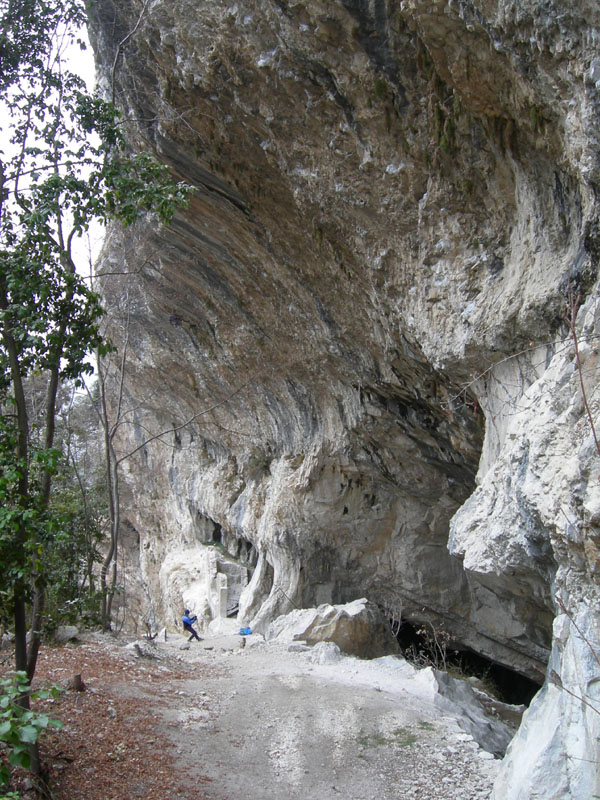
[{"x": 269, "y": 724}]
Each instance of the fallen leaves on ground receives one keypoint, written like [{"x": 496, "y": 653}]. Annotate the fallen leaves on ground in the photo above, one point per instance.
[{"x": 114, "y": 744}]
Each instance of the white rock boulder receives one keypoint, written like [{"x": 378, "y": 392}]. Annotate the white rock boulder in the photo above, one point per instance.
[
  {"x": 66, "y": 633},
  {"x": 357, "y": 628}
]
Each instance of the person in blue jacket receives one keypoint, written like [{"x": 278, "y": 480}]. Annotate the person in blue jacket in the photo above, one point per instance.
[{"x": 188, "y": 621}]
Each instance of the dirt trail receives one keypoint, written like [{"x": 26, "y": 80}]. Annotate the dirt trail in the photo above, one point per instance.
[{"x": 268, "y": 724}]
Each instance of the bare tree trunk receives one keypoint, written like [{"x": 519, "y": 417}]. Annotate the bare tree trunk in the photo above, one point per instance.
[
  {"x": 20, "y": 628},
  {"x": 115, "y": 530},
  {"x": 112, "y": 479},
  {"x": 37, "y": 615},
  {"x": 112, "y": 471}
]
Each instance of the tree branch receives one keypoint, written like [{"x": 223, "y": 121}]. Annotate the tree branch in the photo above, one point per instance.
[
  {"x": 120, "y": 47},
  {"x": 183, "y": 424}
]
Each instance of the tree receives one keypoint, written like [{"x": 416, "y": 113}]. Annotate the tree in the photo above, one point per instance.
[
  {"x": 65, "y": 166},
  {"x": 110, "y": 416},
  {"x": 78, "y": 504}
]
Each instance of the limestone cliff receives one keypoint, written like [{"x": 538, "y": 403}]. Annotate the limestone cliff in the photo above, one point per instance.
[{"x": 356, "y": 334}]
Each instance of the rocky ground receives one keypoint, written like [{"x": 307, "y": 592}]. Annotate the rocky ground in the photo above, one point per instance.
[{"x": 219, "y": 721}]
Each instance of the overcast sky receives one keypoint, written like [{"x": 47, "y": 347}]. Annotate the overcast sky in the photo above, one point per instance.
[{"x": 81, "y": 62}]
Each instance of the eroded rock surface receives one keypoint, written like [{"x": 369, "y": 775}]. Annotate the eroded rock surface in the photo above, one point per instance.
[
  {"x": 357, "y": 628},
  {"x": 362, "y": 318}
]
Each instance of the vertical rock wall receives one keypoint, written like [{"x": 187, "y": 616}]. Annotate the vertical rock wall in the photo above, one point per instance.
[{"x": 356, "y": 333}]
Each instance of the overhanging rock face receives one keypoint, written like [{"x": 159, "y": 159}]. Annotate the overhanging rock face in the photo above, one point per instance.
[{"x": 361, "y": 313}]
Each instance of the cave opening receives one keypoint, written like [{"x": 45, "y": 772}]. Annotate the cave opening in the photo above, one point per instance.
[
  {"x": 216, "y": 533},
  {"x": 422, "y": 648}
]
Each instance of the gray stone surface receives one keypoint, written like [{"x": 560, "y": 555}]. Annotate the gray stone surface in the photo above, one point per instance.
[
  {"x": 361, "y": 315},
  {"x": 326, "y": 653},
  {"x": 357, "y": 628},
  {"x": 65, "y": 633},
  {"x": 269, "y": 723}
]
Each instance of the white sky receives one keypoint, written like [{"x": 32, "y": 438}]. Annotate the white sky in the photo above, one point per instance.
[{"x": 81, "y": 62}]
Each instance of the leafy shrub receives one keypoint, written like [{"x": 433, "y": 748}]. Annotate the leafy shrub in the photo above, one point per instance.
[{"x": 19, "y": 726}]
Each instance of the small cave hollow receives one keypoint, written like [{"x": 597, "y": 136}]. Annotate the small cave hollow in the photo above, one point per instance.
[
  {"x": 209, "y": 532},
  {"x": 422, "y": 648},
  {"x": 239, "y": 549}
]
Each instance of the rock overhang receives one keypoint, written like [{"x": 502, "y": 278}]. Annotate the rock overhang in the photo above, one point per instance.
[{"x": 388, "y": 202}]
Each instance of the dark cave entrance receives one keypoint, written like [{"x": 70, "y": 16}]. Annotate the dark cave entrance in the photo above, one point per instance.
[
  {"x": 217, "y": 535},
  {"x": 421, "y": 648}
]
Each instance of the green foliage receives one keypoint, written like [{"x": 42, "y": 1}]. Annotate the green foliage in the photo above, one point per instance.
[
  {"x": 424, "y": 61},
  {"x": 258, "y": 462},
  {"x": 448, "y": 138},
  {"x": 64, "y": 165},
  {"x": 26, "y": 31},
  {"x": 19, "y": 726},
  {"x": 68, "y": 553},
  {"x": 73, "y": 551},
  {"x": 402, "y": 737},
  {"x": 380, "y": 89},
  {"x": 537, "y": 119},
  {"x": 16, "y": 511}
]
